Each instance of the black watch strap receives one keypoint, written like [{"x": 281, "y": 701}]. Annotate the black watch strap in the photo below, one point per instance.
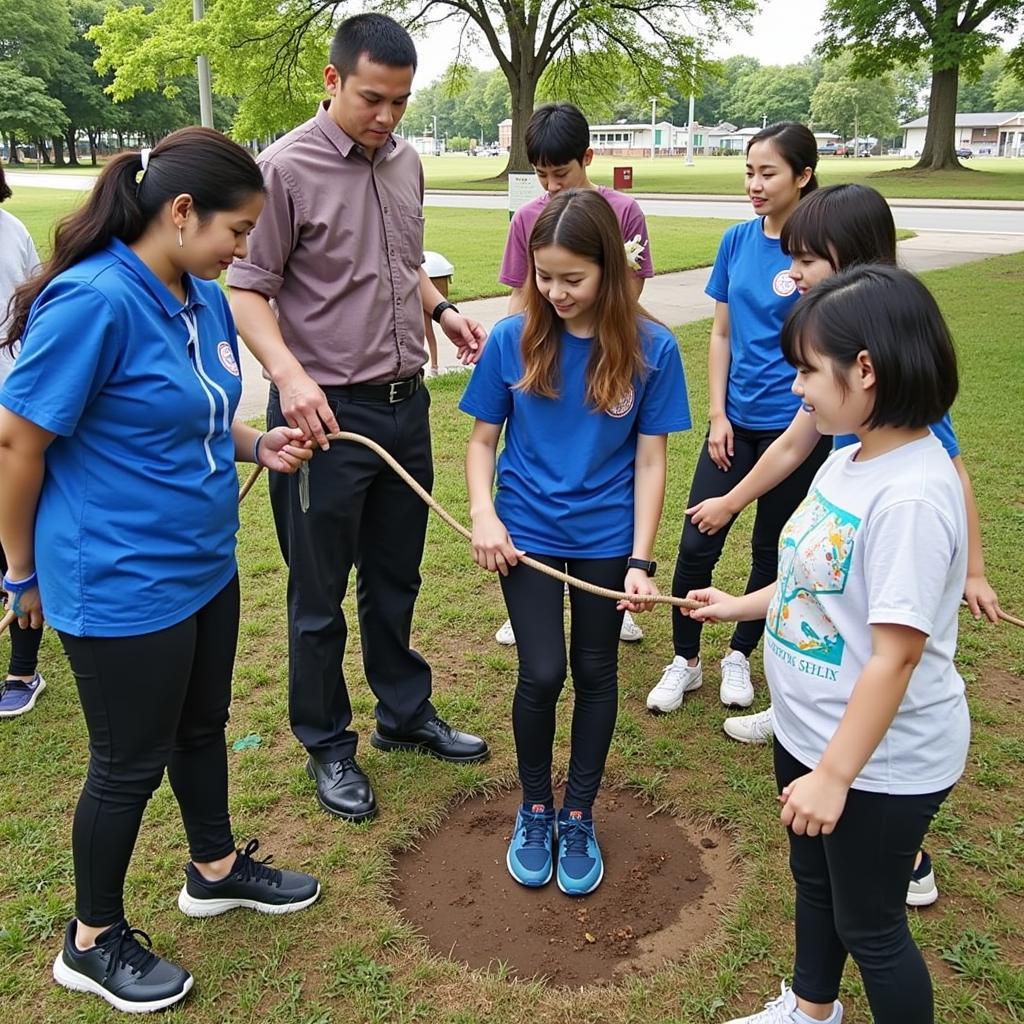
[
  {"x": 440, "y": 308},
  {"x": 639, "y": 563}
]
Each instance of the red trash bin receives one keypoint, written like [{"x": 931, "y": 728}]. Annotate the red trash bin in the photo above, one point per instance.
[{"x": 622, "y": 177}]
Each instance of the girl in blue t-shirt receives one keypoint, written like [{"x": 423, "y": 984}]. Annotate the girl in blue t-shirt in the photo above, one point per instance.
[
  {"x": 750, "y": 404},
  {"x": 118, "y": 515},
  {"x": 587, "y": 388},
  {"x": 870, "y": 715}
]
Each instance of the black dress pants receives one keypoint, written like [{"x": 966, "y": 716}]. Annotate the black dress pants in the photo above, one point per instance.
[{"x": 361, "y": 514}]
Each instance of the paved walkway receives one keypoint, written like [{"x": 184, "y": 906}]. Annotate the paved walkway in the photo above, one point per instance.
[{"x": 679, "y": 298}]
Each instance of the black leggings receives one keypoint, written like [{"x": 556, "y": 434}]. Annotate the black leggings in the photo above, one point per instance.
[
  {"x": 24, "y": 642},
  {"x": 851, "y": 888},
  {"x": 535, "y": 607},
  {"x": 699, "y": 552},
  {"x": 155, "y": 701}
]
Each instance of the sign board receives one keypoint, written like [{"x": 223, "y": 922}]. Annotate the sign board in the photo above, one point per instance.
[{"x": 522, "y": 188}]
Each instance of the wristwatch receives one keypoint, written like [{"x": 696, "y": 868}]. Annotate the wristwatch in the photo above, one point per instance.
[
  {"x": 440, "y": 308},
  {"x": 639, "y": 563}
]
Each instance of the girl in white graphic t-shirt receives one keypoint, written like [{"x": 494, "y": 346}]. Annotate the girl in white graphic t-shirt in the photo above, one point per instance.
[{"x": 871, "y": 723}]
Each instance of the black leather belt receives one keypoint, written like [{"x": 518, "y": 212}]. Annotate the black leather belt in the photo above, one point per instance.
[{"x": 396, "y": 391}]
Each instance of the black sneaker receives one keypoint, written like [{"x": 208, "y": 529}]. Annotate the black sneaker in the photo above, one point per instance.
[
  {"x": 121, "y": 970},
  {"x": 251, "y": 884}
]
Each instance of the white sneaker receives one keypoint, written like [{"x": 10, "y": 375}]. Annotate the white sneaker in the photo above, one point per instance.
[
  {"x": 783, "y": 1011},
  {"x": 922, "y": 891},
  {"x": 630, "y": 631},
  {"x": 505, "y": 635},
  {"x": 677, "y": 679},
  {"x": 750, "y": 728},
  {"x": 736, "y": 691}
]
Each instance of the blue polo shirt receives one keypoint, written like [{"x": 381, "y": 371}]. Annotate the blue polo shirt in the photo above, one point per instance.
[
  {"x": 751, "y": 275},
  {"x": 565, "y": 475},
  {"x": 943, "y": 430},
  {"x": 136, "y": 522}
]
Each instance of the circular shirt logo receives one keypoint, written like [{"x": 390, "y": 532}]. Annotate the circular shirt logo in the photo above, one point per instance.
[
  {"x": 783, "y": 284},
  {"x": 227, "y": 358},
  {"x": 623, "y": 405}
]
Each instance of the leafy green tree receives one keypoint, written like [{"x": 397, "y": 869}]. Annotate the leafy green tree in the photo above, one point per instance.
[
  {"x": 1008, "y": 93},
  {"x": 26, "y": 109},
  {"x": 714, "y": 89},
  {"x": 952, "y": 35},
  {"x": 977, "y": 94},
  {"x": 34, "y": 34},
  {"x": 270, "y": 53},
  {"x": 772, "y": 93}
]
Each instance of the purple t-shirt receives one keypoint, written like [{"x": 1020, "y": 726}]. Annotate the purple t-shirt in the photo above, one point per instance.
[{"x": 516, "y": 262}]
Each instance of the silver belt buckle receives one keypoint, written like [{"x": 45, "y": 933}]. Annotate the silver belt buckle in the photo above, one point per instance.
[{"x": 391, "y": 393}]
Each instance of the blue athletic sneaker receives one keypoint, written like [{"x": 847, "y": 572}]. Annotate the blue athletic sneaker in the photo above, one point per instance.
[
  {"x": 529, "y": 854},
  {"x": 580, "y": 867},
  {"x": 17, "y": 697}
]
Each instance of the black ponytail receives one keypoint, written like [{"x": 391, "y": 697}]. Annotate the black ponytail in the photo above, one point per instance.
[
  {"x": 796, "y": 145},
  {"x": 217, "y": 173}
]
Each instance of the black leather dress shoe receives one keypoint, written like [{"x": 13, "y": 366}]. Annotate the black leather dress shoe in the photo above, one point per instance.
[
  {"x": 436, "y": 738},
  {"x": 342, "y": 789}
]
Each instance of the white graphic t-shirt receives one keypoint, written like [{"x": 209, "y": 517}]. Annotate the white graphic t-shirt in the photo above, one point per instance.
[{"x": 881, "y": 541}]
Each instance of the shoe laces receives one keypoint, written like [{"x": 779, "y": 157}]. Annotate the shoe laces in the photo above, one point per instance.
[
  {"x": 733, "y": 673},
  {"x": 444, "y": 727},
  {"x": 536, "y": 829},
  {"x": 248, "y": 869},
  {"x": 129, "y": 952},
  {"x": 778, "y": 1010},
  {"x": 576, "y": 835}
]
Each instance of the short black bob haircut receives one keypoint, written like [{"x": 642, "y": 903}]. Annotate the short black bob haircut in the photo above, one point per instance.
[
  {"x": 844, "y": 224},
  {"x": 381, "y": 38},
  {"x": 795, "y": 143},
  {"x": 887, "y": 312},
  {"x": 557, "y": 134}
]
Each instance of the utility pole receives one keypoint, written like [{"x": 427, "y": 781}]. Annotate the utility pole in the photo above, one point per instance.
[
  {"x": 203, "y": 69},
  {"x": 654, "y": 108},
  {"x": 689, "y": 130}
]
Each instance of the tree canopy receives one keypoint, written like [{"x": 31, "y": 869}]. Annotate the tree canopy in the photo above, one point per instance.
[{"x": 949, "y": 34}]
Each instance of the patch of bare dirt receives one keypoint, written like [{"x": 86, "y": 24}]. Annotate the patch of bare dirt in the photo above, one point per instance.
[{"x": 664, "y": 885}]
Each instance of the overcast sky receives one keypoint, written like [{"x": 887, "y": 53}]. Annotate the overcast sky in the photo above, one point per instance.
[{"x": 782, "y": 33}]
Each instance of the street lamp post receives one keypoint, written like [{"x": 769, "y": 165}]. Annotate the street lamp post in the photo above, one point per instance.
[
  {"x": 689, "y": 130},
  {"x": 203, "y": 71}
]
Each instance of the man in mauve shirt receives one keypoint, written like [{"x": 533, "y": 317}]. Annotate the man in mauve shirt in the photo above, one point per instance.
[{"x": 330, "y": 300}]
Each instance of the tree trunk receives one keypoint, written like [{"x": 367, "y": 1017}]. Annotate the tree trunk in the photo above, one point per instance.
[
  {"x": 939, "y": 153},
  {"x": 12, "y": 148},
  {"x": 43, "y": 150},
  {"x": 524, "y": 95},
  {"x": 72, "y": 142},
  {"x": 58, "y": 150},
  {"x": 92, "y": 146}
]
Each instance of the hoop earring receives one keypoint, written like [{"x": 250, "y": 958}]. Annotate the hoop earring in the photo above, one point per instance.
[{"x": 181, "y": 243}]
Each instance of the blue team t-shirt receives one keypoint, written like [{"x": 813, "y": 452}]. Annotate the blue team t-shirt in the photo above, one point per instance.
[
  {"x": 565, "y": 475},
  {"x": 137, "y": 516},
  {"x": 943, "y": 430},
  {"x": 751, "y": 275}
]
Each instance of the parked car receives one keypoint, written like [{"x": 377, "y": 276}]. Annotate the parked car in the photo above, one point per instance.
[
  {"x": 965, "y": 152},
  {"x": 827, "y": 149}
]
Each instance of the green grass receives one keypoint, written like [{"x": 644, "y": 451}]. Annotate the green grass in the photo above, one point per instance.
[
  {"x": 981, "y": 178},
  {"x": 351, "y": 958},
  {"x": 723, "y": 175}
]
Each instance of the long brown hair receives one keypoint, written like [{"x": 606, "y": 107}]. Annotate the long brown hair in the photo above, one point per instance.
[
  {"x": 581, "y": 221},
  {"x": 217, "y": 173}
]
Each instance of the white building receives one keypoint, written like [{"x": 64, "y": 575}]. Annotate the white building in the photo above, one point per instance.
[{"x": 983, "y": 134}]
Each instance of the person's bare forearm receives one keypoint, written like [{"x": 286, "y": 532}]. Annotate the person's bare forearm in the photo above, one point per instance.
[
  {"x": 261, "y": 333},
  {"x": 480, "y": 462},
  {"x": 719, "y": 358},
  {"x": 22, "y": 468},
  {"x": 784, "y": 455},
  {"x": 648, "y": 492}
]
